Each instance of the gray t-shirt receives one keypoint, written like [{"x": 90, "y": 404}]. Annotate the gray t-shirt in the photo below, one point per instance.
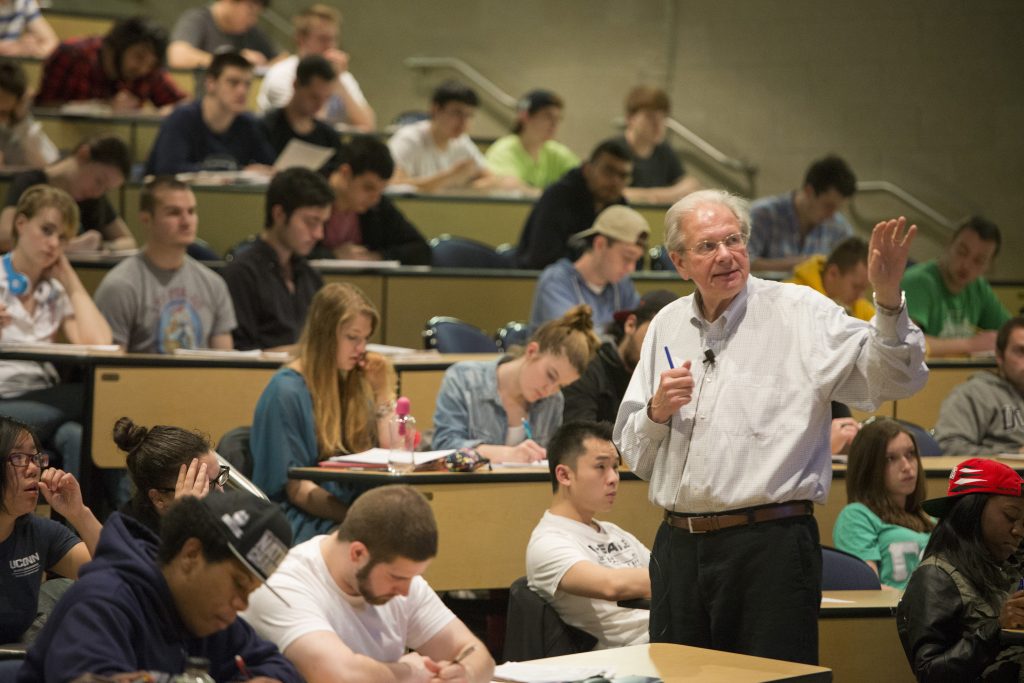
[
  {"x": 157, "y": 311},
  {"x": 197, "y": 28}
]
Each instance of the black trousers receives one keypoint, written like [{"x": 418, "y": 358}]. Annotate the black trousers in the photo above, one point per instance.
[{"x": 754, "y": 590}]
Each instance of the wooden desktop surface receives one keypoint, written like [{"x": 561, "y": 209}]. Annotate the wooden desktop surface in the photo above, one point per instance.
[{"x": 678, "y": 663}]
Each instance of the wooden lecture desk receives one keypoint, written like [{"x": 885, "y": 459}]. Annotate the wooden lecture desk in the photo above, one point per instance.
[
  {"x": 857, "y": 637},
  {"x": 68, "y": 127},
  {"x": 485, "y": 518},
  {"x": 679, "y": 663}
]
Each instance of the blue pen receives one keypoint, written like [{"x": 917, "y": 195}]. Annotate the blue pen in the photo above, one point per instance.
[
  {"x": 671, "y": 365},
  {"x": 1020, "y": 584},
  {"x": 526, "y": 428}
]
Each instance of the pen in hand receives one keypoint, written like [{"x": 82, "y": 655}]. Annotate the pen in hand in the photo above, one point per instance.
[
  {"x": 671, "y": 365},
  {"x": 527, "y": 430},
  {"x": 465, "y": 653},
  {"x": 240, "y": 663}
]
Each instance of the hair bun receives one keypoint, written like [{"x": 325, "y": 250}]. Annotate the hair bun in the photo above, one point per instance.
[
  {"x": 128, "y": 435},
  {"x": 579, "y": 318}
]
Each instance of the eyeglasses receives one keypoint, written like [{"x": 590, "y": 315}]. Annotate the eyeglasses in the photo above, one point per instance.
[
  {"x": 223, "y": 475},
  {"x": 23, "y": 459},
  {"x": 734, "y": 242}
]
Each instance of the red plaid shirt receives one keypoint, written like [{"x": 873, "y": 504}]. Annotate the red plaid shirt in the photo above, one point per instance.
[{"x": 74, "y": 72}]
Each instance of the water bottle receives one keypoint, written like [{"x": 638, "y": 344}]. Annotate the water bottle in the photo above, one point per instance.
[
  {"x": 403, "y": 439},
  {"x": 197, "y": 670}
]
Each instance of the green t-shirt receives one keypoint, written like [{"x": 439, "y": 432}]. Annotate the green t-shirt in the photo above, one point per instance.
[
  {"x": 507, "y": 156},
  {"x": 939, "y": 313},
  {"x": 895, "y": 549}
]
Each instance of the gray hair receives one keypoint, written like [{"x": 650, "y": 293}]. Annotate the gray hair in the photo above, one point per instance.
[{"x": 739, "y": 207}]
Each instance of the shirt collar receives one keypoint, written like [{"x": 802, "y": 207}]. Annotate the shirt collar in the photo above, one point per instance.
[{"x": 729, "y": 319}]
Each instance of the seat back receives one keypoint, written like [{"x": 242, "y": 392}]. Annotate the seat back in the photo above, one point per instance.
[
  {"x": 524, "y": 640},
  {"x": 234, "y": 448},
  {"x": 514, "y": 333},
  {"x": 240, "y": 248},
  {"x": 841, "y": 571},
  {"x": 448, "y": 251},
  {"x": 451, "y": 335},
  {"x": 926, "y": 443}
]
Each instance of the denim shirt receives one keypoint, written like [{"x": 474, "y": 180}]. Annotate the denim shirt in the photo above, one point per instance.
[{"x": 469, "y": 411}]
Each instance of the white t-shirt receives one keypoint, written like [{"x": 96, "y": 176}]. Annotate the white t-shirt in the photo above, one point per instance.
[
  {"x": 381, "y": 632},
  {"x": 556, "y": 544},
  {"x": 52, "y": 307},
  {"x": 413, "y": 149},
  {"x": 279, "y": 82}
]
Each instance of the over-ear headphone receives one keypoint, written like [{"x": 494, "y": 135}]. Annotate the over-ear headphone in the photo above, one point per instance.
[{"x": 16, "y": 282}]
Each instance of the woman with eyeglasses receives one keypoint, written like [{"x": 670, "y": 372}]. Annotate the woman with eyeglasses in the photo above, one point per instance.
[
  {"x": 40, "y": 295},
  {"x": 883, "y": 523},
  {"x": 166, "y": 463},
  {"x": 31, "y": 545}
]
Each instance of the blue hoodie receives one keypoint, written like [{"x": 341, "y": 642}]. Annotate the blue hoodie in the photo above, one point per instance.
[{"x": 120, "y": 616}]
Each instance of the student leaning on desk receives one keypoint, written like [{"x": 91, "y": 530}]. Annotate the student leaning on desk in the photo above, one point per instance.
[
  {"x": 40, "y": 294},
  {"x": 507, "y": 409},
  {"x": 334, "y": 398}
]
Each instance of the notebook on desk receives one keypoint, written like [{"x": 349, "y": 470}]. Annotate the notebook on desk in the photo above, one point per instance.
[{"x": 377, "y": 459}]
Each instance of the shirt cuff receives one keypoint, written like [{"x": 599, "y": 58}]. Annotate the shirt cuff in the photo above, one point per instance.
[{"x": 892, "y": 323}]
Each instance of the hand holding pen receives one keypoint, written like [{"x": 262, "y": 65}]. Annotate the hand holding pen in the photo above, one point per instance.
[{"x": 675, "y": 390}]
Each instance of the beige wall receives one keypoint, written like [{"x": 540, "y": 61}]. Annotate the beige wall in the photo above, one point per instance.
[{"x": 924, "y": 93}]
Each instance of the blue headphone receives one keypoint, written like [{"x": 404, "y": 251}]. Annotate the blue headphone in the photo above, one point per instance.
[{"x": 16, "y": 282}]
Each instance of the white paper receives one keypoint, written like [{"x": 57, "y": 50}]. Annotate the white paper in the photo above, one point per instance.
[
  {"x": 353, "y": 263},
  {"x": 302, "y": 154},
  {"x": 835, "y": 601},
  {"x": 379, "y": 456},
  {"x": 55, "y": 347},
  {"x": 385, "y": 350},
  {"x": 535, "y": 463},
  {"x": 528, "y": 672}
]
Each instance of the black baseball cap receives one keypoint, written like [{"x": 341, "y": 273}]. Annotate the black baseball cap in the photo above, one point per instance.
[
  {"x": 255, "y": 530},
  {"x": 535, "y": 100}
]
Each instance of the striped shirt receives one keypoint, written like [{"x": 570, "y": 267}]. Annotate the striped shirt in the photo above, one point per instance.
[
  {"x": 775, "y": 230},
  {"x": 15, "y": 15},
  {"x": 757, "y": 428}
]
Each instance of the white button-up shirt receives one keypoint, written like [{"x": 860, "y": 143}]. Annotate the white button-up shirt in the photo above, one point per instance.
[{"x": 756, "y": 430}]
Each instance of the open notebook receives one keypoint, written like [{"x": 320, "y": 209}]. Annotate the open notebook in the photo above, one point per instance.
[{"x": 377, "y": 459}]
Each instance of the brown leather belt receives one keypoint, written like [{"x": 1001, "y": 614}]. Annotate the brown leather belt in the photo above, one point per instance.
[{"x": 702, "y": 524}]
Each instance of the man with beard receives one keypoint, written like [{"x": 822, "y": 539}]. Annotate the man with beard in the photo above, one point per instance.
[
  {"x": 596, "y": 395},
  {"x": 358, "y": 601}
]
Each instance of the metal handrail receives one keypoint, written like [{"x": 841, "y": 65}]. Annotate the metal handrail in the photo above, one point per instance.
[
  {"x": 467, "y": 71},
  {"x": 885, "y": 187},
  {"x": 715, "y": 154}
]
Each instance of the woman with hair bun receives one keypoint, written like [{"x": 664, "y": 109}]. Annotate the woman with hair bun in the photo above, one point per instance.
[
  {"x": 508, "y": 409},
  {"x": 166, "y": 463}
]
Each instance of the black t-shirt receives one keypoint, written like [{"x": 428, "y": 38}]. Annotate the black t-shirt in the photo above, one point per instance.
[
  {"x": 278, "y": 132},
  {"x": 268, "y": 314},
  {"x": 661, "y": 169},
  {"x": 95, "y": 214}
]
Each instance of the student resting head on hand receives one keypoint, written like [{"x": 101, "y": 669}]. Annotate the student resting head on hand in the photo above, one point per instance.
[
  {"x": 166, "y": 463},
  {"x": 334, "y": 398},
  {"x": 32, "y": 545},
  {"x": 883, "y": 524},
  {"x": 508, "y": 408}
]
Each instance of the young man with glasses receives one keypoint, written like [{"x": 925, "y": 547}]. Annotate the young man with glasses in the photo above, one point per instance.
[
  {"x": 728, "y": 416},
  {"x": 573, "y": 203}
]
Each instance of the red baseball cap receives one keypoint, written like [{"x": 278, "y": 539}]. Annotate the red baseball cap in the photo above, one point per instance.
[{"x": 977, "y": 475}]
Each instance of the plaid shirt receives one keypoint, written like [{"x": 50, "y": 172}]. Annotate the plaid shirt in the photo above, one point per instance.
[{"x": 74, "y": 72}]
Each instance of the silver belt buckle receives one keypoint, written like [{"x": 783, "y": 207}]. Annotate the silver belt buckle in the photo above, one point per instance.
[{"x": 689, "y": 524}]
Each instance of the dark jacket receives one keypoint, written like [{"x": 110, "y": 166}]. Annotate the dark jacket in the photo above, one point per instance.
[
  {"x": 387, "y": 231},
  {"x": 950, "y": 632},
  {"x": 565, "y": 208},
  {"x": 120, "y": 616},
  {"x": 596, "y": 395}
]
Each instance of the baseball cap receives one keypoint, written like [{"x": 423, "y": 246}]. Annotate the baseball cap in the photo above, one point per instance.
[
  {"x": 650, "y": 304},
  {"x": 976, "y": 475},
  {"x": 535, "y": 100},
  {"x": 619, "y": 223},
  {"x": 255, "y": 530}
]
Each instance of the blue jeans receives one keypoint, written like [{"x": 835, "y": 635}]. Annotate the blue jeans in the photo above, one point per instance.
[{"x": 54, "y": 414}]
